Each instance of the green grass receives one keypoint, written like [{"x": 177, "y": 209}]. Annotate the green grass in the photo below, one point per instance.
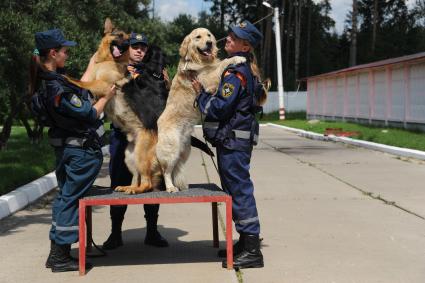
[
  {"x": 22, "y": 162},
  {"x": 384, "y": 135}
]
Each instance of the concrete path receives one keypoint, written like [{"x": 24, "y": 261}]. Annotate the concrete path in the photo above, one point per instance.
[{"x": 329, "y": 213}]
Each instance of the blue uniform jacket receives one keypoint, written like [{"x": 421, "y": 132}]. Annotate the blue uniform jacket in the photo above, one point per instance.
[
  {"x": 71, "y": 109},
  {"x": 229, "y": 117}
]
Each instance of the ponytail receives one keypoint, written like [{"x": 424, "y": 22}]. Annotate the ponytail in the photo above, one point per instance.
[
  {"x": 33, "y": 72},
  {"x": 36, "y": 64},
  {"x": 257, "y": 73}
]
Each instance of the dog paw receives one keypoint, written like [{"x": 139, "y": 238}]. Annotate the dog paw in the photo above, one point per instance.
[
  {"x": 120, "y": 189},
  {"x": 211, "y": 90},
  {"x": 238, "y": 60},
  {"x": 172, "y": 190},
  {"x": 130, "y": 191}
]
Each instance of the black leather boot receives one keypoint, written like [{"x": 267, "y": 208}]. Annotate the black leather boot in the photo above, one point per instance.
[
  {"x": 153, "y": 237},
  {"x": 251, "y": 256},
  {"x": 51, "y": 254},
  {"x": 237, "y": 248},
  {"x": 115, "y": 238},
  {"x": 61, "y": 260}
]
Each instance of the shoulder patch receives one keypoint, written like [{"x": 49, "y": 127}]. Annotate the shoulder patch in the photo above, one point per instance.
[
  {"x": 76, "y": 101},
  {"x": 227, "y": 90}
]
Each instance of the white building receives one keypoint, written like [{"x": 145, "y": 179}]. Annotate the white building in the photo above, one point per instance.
[{"x": 388, "y": 92}]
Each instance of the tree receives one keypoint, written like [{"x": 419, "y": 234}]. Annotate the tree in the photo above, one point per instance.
[
  {"x": 353, "y": 33},
  {"x": 81, "y": 20},
  {"x": 298, "y": 4}
]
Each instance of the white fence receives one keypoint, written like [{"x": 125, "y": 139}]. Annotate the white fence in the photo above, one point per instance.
[
  {"x": 388, "y": 95},
  {"x": 294, "y": 101}
]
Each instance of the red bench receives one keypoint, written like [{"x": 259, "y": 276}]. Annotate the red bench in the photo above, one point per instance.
[{"x": 195, "y": 194}]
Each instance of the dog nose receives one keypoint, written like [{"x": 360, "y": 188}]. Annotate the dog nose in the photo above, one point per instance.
[{"x": 209, "y": 43}]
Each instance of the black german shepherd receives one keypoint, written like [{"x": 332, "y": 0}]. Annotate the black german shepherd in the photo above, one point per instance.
[{"x": 147, "y": 94}]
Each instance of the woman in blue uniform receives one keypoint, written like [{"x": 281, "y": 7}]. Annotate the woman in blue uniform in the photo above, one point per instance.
[
  {"x": 230, "y": 125},
  {"x": 75, "y": 133}
]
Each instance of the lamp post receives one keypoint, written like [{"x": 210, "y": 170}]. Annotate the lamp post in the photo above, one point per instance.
[{"x": 279, "y": 60}]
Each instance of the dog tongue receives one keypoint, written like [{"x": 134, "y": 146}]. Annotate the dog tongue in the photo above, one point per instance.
[{"x": 116, "y": 52}]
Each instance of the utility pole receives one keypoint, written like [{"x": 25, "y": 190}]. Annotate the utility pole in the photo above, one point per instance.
[{"x": 279, "y": 60}]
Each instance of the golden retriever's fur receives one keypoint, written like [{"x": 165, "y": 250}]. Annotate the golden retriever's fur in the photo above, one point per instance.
[{"x": 198, "y": 54}]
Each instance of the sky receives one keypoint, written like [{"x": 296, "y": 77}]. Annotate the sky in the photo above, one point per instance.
[{"x": 168, "y": 10}]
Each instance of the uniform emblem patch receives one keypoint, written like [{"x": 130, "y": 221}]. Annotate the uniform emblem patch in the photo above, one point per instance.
[
  {"x": 242, "y": 25},
  {"x": 76, "y": 101},
  {"x": 139, "y": 37},
  {"x": 227, "y": 90}
]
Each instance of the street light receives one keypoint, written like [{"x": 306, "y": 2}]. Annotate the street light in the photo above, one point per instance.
[{"x": 279, "y": 60}]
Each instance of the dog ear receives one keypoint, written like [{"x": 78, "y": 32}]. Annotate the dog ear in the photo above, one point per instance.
[
  {"x": 109, "y": 26},
  {"x": 215, "y": 48},
  {"x": 184, "y": 47}
]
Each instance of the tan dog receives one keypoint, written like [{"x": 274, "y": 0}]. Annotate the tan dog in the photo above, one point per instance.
[
  {"x": 110, "y": 68},
  {"x": 111, "y": 62},
  {"x": 198, "y": 57}
]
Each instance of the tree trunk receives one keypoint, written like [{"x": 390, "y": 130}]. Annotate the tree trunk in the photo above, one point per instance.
[
  {"x": 8, "y": 123},
  {"x": 308, "y": 40},
  {"x": 375, "y": 25},
  {"x": 5, "y": 133},
  {"x": 34, "y": 134},
  {"x": 267, "y": 48},
  {"x": 222, "y": 12},
  {"x": 288, "y": 36},
  {"x": 353, "y": 47},
  {"x": 298, "y": 15}
]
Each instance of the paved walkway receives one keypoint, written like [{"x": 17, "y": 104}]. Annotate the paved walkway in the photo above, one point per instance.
[{"x": 329, "y": 213}]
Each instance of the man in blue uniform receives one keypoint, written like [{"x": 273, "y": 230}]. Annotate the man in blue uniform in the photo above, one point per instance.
[
  {"x": 76, "y": 135},
  {"x": 230, "y": 125},
  {"x": 120, "y": 175}
]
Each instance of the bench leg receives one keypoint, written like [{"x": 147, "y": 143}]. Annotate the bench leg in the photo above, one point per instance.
[
  {"x": 82, "y": 237},
  {"x": 89, "y": 228},
  {"x": 215, "y": 225},
  {"x": 229, "y": 238}
]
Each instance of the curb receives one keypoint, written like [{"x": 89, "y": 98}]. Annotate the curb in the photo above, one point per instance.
[
  {"x": 27, "y": 194},
  {"x": 399, "y": 151}
]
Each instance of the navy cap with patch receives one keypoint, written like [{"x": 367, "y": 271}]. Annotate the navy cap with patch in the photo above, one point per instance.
[
  {"x": 52, "y": 38},
  {"x": 138, "y": 38},
  {"x": 247, "y": 31}
]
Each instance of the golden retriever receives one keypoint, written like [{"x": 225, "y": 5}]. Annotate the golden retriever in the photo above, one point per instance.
[{"x": 198, "y": 57}]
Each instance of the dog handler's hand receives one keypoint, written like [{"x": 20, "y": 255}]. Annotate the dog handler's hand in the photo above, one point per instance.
[
  {"x": 100, "y": 104},
  {"x": 111, "y": 93},
  {"x": 196, "y": 86}
]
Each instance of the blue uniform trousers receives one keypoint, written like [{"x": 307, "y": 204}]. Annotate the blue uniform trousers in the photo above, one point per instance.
[
  {"x": 120, "y": 175},
  {"x": 76, "y": 171},
  {"x": 233, "y": 168}
]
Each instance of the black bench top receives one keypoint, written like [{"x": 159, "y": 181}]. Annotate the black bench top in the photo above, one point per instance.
[{"x": 195, "y": 190}]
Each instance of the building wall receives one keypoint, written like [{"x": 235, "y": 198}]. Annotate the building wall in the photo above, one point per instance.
[
  {"x": 390, "y": 95},
  {"x": 293, "y": 101}
]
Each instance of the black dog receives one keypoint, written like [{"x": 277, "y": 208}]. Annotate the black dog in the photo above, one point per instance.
[{"x": 147, "y": 94}]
